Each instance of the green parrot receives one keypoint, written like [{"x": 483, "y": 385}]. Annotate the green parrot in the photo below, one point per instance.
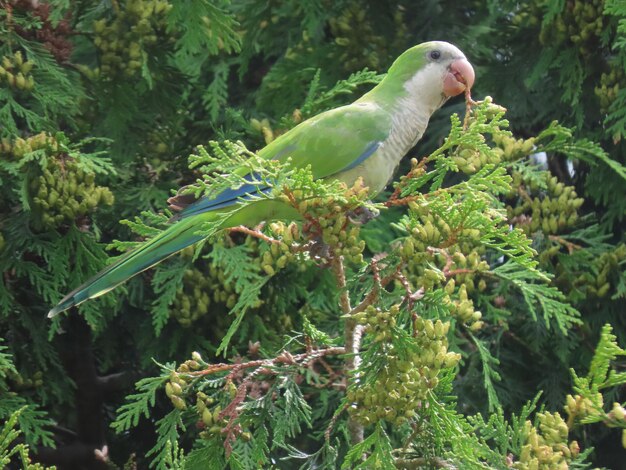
[{"x": 366, "y": 139}]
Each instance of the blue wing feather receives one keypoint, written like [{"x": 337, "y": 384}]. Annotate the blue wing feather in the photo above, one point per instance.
[
  {"x": 226, "y": 198},
  {"x": 231, "y": 196},
  {"x": 369, "y": 150}
]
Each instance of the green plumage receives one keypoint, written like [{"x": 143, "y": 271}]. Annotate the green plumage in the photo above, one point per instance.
[{"x": 365, "y": 139}]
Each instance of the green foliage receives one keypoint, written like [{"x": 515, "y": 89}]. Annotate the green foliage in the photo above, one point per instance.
[
  {"x": 139, "y": 404},
  {"x": 587, "y": 406},
  {"x": 548, "y": 299},
  {"x": 378, "y": 449},
  {"x": 9, "y": 450},
  {"x": 490, "y": 374},
  {"x": 258, "y": 414},
  {"x": 20, "y": 411},
  {"x": 520, "y": 262},
  {"x": 208, "y": 29}
]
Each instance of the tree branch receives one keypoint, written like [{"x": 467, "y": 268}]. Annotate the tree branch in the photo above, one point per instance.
[
  {"x": 352, "y": 337},
  {"x": 283, "y": 358}
]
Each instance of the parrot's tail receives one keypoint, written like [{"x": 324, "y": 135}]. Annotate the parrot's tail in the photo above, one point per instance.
[{"x": 178, "y": 236}]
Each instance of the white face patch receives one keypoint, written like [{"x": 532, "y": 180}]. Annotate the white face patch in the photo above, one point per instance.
[{"x": 426, "y": 86}]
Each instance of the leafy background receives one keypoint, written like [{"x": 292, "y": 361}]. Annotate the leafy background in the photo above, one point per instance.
[{"x": 102, "y": 102}]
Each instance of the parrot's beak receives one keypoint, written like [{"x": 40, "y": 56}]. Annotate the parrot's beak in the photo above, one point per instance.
[{"x": 460, "y": 76}]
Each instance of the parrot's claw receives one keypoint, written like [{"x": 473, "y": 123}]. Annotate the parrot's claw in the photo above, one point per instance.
[
  {"x": 318, "y": 249},
  {"x": 362, "y": 215}
]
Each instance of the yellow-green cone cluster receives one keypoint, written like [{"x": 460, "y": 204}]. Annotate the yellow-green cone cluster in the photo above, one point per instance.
[
  {"x": 609, "y": 87},
  {"x": 553, "y": 209},
  {"x": 175, "y": 388},
  {"x": 19, "y": 382},
  {"x": 209, "y": 414},
  {"x": 201, "y": 290},
  {"x": 507, "y": 148},
  {"x": 62, "y": 192},
  {"x": 591, "y": 409},
  {"x": 580, "y": 23},
  {"x": 463, "y": 307},
  {"x": 206, "y": 288},
  {"x": 178, "y": 388},
  {"x": 528, "y": 13},
  {"x": 264, "y": 128},
  {"x": 547, "y": 447},
  {"x": 378, "y": 323},
  {"x": 278, "y": 255},
  {"x": 65, "y": 192},
  {"x": 123, "y": 42},
  {"x": 595, "y": 281},
  {"x": 179, "y": 380},
  {"x": 341, "y": 235},
  {"x": 15, "y": 71},
  {"x": 329, "y": 221},
  {"x": 193, "y": 300},
  {"x": 430, "y": 231},
  {"x": 457, "y": 267},
  {"x": 403, "y": 380},
  {"x": 18, "y": 148},
  {"x": 617, "y": 416}
]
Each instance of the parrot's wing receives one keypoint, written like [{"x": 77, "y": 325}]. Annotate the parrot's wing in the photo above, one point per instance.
[{"x": 332, "y": 142}]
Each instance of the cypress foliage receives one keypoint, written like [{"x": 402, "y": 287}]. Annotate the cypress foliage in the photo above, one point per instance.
[{"x": 475, "y": 322}]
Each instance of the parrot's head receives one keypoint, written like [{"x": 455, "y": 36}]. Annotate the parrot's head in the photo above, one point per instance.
[{"x": 432, "y": 72}]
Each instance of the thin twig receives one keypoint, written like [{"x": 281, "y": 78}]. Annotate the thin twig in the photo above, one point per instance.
[
  {"x": 254, "y": 233},
  {"x": 469, "y": 102},
  {"x": 352, "y": 337},
  {"x": 299, "y": 359},
  {"x": 423, "y": 462},
  {"x": 332, "y": 423},
  {"x": 448, "y": 273},
  {"x": 379, "y": 284},
  {"x": 571, "y": 247},
  {"x": 395, "y": 196}
]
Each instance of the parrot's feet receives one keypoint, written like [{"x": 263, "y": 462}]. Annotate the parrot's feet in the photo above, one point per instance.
[
  {"x": 362, "y": 215},
  {"x": 318, "y": 249}
]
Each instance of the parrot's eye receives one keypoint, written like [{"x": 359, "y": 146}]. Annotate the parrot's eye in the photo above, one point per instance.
[{"x": 434, "y": 55}]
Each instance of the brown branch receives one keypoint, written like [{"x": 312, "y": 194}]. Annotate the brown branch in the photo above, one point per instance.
[
  {"x": 403, "y": 201},
  {"x": 232, "y": 429},
  {"x": 379, "y": 284},
  {"x": 416, "y": 168},
  {"x": 352, "y": 337},
  {"x": 423, "y": 462},
  {"x": 469, "y": 102},
  {"x": 332, "y": 374},
  {"x": 411, "y": 297},
  {"x": 406, "y": 200},
  {"x": 571, "y": 247},
  {"x": 299, "y": 359},
  {"x": 253, "y": 233},
  {"x": 332, "y": 423},
  {"x": 310, "y": 220},
  {"x": 448, "y": 273},
  {"x": 80, "y": 364}
]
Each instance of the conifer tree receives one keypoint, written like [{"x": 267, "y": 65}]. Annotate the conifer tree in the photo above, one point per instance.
[{"x": 476, "y": 322}]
